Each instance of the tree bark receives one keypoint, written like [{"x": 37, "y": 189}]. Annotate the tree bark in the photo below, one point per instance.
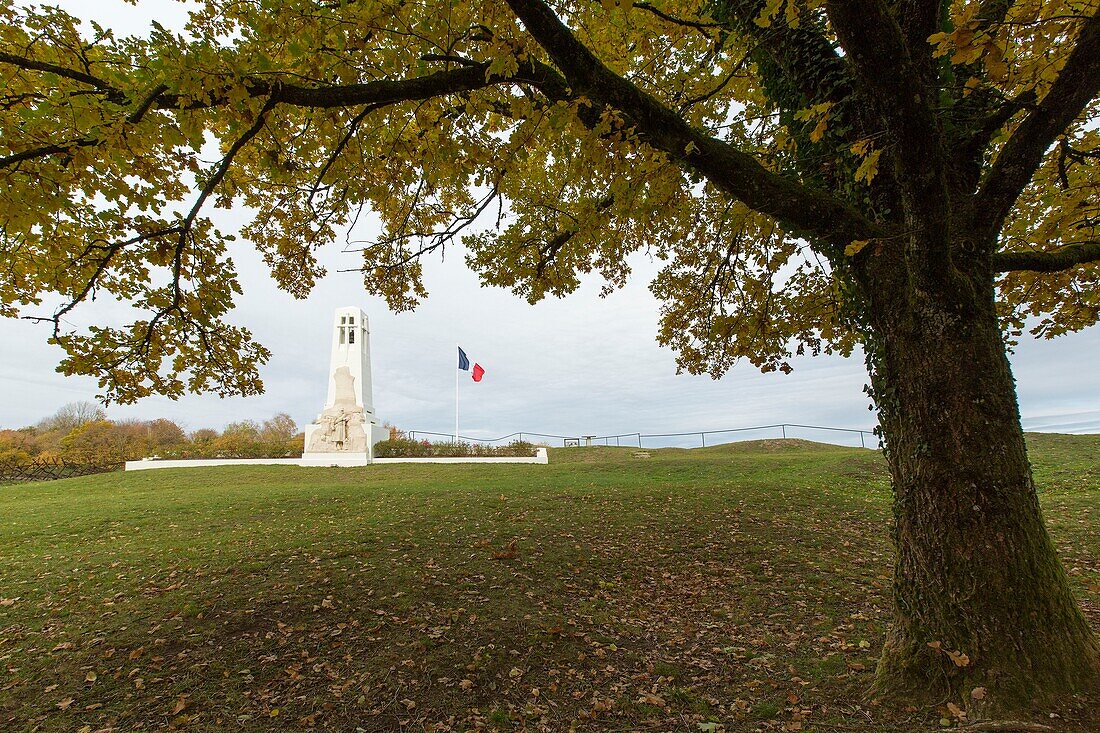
[{"x": 980, "y": 597}]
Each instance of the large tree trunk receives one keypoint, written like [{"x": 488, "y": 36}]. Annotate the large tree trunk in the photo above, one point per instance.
[{"x": 981, "y": 599}]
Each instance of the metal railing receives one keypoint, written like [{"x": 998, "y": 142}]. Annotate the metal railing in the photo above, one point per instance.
[{"x": 638, "y": 439}]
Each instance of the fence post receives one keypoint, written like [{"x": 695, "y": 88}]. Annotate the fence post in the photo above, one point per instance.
[
  {"x": 703, "y": 437},
  {"x": 784, "y": 429},
  {"x": 639, "y": 440},
  {"x": 861, "y": 443}
]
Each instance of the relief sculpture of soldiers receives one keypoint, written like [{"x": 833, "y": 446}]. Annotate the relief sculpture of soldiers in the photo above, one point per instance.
[{"x": 341, "y": 424}]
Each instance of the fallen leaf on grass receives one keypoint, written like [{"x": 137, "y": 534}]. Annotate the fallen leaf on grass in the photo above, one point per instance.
[
  {"x": 507, "y": 553},
  {"x": 960, "y": 659},
  {"x": 64, "y": 704}
]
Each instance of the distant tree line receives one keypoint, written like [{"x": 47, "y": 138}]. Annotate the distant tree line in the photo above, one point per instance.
[{"x": 80, "y": 432}]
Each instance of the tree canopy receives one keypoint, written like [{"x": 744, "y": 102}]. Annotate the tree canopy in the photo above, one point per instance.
[{"x": 755, "y": 147}]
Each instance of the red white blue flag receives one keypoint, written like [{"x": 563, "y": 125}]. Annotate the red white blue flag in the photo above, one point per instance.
[{"x": 464, "y": 364}]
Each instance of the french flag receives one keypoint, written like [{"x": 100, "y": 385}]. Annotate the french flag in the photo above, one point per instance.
[{"x": 464, "y": 364}]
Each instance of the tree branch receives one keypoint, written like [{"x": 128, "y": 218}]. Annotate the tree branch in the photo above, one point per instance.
[
  {"x": 378, "y": 92},
  {"x": 1055, "y": 260},
  {"x": 44, "y": 152},
  {"x": 149, "y": 101},
  {"x": 678, "y": 21},
  {"x": 22, "y": 62},
  {"x": 375, "y": 94},
  {"x": 813, "y": 213},
  {"x": 1021, "y": 156},
  {"x": 877, "y": 50},
  {"x": 226, "y": 161}
]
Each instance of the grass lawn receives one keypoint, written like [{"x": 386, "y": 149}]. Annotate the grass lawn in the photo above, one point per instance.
[{"x": 743, "y": 585}]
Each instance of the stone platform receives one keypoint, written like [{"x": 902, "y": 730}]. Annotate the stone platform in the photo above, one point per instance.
[{"x": 315, "y": 460}]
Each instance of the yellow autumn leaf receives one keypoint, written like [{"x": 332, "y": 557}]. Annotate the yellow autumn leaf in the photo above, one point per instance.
[
  {"x": 869, "y": 167},
  {"x": 861, "y": 147},
  {"x": 856, "y": 247},
  {"x": 768, "y": 13},
  {"x": 819, "y": 131}
]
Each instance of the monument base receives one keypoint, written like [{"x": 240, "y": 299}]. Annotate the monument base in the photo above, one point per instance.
[
  {"x": 375, "y": 433},
  {"x": 342, "y": 458}
]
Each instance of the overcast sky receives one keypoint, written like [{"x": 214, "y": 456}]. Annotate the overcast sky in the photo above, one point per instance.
[{"x": 582, "y": 365}]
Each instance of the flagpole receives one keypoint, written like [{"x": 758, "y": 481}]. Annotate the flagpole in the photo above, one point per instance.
[{"x": 456, "y": 395}]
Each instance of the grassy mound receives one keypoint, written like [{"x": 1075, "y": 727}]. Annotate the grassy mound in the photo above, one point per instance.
[{"x": 614, "y": 589}]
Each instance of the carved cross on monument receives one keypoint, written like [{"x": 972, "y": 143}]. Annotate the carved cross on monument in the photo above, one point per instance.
[{"x": 347, "y": 428}]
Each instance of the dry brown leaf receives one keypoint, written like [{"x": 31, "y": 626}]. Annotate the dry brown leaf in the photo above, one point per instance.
[
  {"x": 960, "y": 659},
  {"x": 955, "y": 710}
]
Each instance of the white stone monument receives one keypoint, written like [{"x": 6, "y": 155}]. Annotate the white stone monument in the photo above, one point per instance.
[{"x": 347, "y": 429}]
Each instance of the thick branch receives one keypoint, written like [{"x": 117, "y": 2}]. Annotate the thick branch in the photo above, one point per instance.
[
  {"x": 1075, "y": 87},
  {"x": 1055, "y": 260},
  {"x": 877, "y": 50},
  {"x": 997, "y": 119},
  {"x": 22, "y": 62},
  {"x": 813, "y": 213},
  {"x": 378, "y": 92},
  {"x": 44, "y": 152}
]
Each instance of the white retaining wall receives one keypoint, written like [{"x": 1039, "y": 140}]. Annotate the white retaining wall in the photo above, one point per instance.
[{"x": 150, "y": 463}]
